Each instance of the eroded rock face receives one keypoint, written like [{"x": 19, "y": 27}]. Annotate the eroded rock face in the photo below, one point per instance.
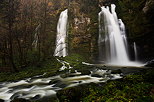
[
  {"x": 138, "y": 18},
  {"x": 105, "y": 2},
  {"x": 83, "y": 26},
  {"x": 149, "y": 6}
]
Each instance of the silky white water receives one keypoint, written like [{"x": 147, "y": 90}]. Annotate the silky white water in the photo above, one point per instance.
[
  {"x": 61, "y": 45},
  {"x": 36, "y": 36},
  {"x": 112, "y": 42},
  {"x": 135, "y": 52},
  {"x": 37, "y": 87}
]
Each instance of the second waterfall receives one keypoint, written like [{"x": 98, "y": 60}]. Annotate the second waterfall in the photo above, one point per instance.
[
  {"x": 61, "y": 45},
  {"x": 112, "y": 39}
]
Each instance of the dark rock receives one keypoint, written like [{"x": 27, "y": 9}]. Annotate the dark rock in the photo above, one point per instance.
[
  {"x": 96, "y": 75},
  {"x": 80, "y": 81},
  {"x": 20, "y": 100},
  {"x": 1, "y": 100},
  {"x": 64, "y": 75},
  {"x": 148, "y": 6},
  {"x": 150, "y": 63},
  {"x": 61, "y": 85},
  {"x": 58, "y": 83},
  {"x": 36, "y": 97},
  {"x": 54, "y": 81},
  {"x": 85, "y": 72},
  {"x": 71, "y": 75},
  {"x": 118, "y": 71}
]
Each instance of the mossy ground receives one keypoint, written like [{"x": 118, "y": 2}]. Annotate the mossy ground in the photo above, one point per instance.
[{"x": 49, "y": 66}]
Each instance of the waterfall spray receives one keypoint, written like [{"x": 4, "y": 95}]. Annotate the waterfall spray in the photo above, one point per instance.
[{"x": 111, "y": 40}]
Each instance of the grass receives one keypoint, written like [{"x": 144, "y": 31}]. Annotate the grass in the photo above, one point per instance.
[{"x": 50, "y": 67}]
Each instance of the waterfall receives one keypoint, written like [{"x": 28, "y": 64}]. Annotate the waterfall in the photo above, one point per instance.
[
  {"x": 112, "y": 40},
  {"x": 36, "y": 36},
  {"x": 123, "y": 33},
  {"x": 61, "y": 45},
  {"x": 135, "y": 52}
]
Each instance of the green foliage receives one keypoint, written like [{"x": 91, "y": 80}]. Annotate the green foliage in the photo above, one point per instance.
[
  {"x": 50, "y": 67},
  {"x": 131, "y": 89}
]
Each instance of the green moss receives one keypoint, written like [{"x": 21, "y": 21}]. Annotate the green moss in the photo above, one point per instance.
[{"x": 49, "y": 67}]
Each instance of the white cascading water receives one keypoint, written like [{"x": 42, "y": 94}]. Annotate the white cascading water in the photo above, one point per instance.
[
  {"x": 36, "y": 36},
  {"x": 112, "y": 42},
  {"x": 135, "y": 52},
  {"x": 40, "y": 89},
  {"x": 61, "y": 45},
  {"x": 123, "y": 33}
]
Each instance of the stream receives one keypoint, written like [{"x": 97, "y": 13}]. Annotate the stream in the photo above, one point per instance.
[{"x": 37, "y": 88}]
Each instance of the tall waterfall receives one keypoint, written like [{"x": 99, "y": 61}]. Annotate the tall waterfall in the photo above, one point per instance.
[
  {"x": 61, "y": 45},
  {"x": 112, "y": 38}
]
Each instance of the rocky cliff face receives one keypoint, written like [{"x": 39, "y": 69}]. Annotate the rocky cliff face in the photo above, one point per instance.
[
  {"x": 149, "y": 7},
  {"x": 83, "y": 26},
  {"x": 138, "y": 16}
]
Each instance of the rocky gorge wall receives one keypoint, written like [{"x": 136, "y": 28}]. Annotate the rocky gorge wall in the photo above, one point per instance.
[
  {"x": 138, "y": 16},
  {"x": 83, "y": 25}
]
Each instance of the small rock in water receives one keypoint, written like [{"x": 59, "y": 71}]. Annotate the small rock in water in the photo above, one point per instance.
[
  {"x": 36, "y": 97},
  {"x": 61, "y": 85},
  {"x": 64, "y": 75},
  {"x": 150, "y": 63},
  {"x": 80, "y": 81},
  {"x": 85, "y": 72},
  {"x": 1, "y": 100},
  {"x": 54, "y": 81},
  {"x": 118, "y": 71},
  {"x": 96, "y": 75}
]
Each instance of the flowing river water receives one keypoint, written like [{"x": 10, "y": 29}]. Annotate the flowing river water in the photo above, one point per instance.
[{"x": 37, "y": 87}]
